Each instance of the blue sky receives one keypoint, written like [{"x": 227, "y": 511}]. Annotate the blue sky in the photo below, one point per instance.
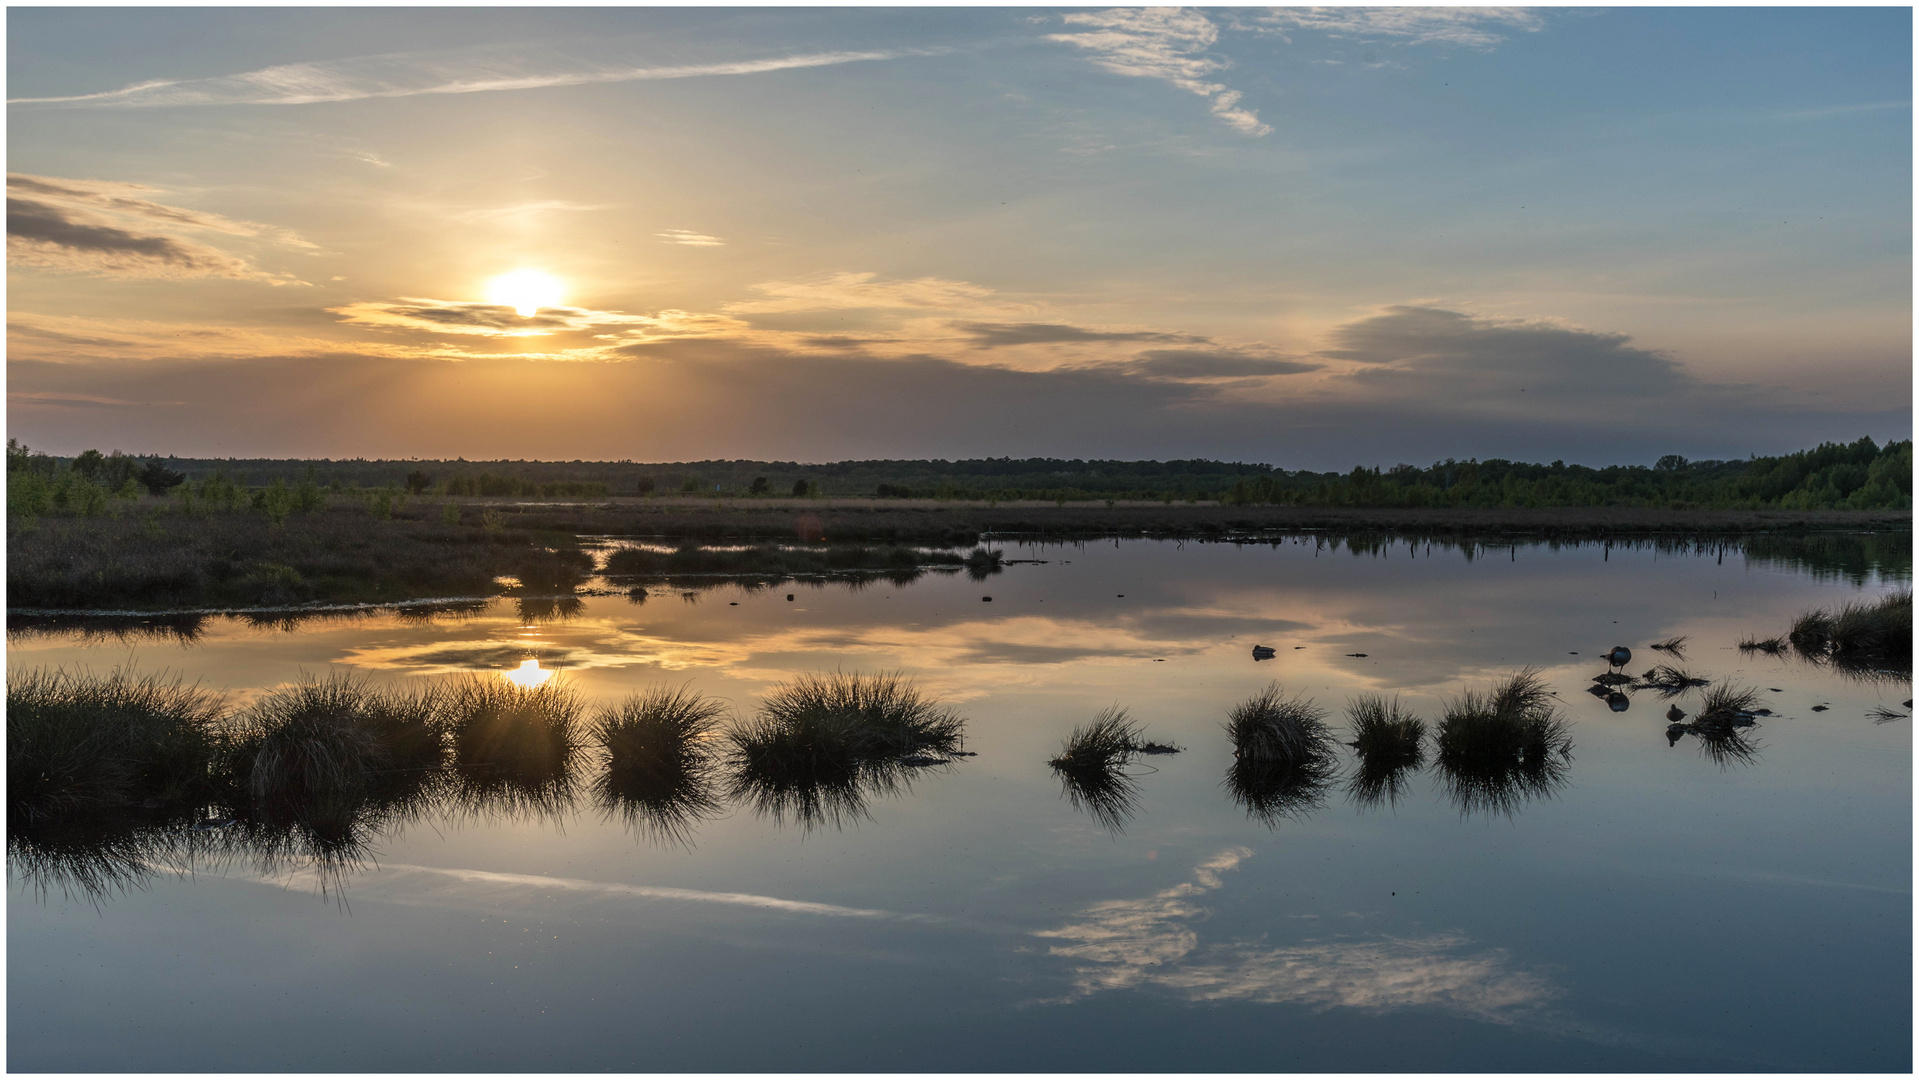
[{"x": 1316, "y": 237}]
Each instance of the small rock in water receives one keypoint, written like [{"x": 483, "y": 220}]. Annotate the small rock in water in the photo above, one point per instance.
[
  {"x": 1908, "y": 703},
  {"x": 1762, "y": 712},
  {"x": 986, "y": 599},
  {"x": 789, "y": 596},
  {"x": 1820, "y": 708},
  {"x": 1775, "y": 689},
  {"x": 732, "y": 603},
  {"x": 1355, "y": 654}
]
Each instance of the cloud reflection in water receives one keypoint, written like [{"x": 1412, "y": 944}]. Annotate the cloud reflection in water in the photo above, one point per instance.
[{"x": 1151, "y": 942}]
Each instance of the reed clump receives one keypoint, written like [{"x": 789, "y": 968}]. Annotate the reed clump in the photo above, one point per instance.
[
  {"x": 1390, "y": 744},
  {"x": 1771, "y": 646},
  {"x": 1674, "y": 645},
  {"x": 79, "y": 743},
  {"x": 1670, "y": 681},
  {"x": 662, "y": 760},
  {"x": 1858, "y": 635},
  {"x": 321, "y": 747},
  {"x": 1727, "y": 705},
  {"x": 1091, "y": 768},
  {"x": 530, "y": 733},
  {"x": 1500, "y": 748},
  {"x": 819, "y": 743},
  {"x": 1269, "y": 727}
]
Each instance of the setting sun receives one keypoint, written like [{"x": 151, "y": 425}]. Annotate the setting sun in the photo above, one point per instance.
[{"x": 525, "y": 291}]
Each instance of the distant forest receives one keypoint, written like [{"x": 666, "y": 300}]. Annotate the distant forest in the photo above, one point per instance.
[{"x": 1859, "y": 475}]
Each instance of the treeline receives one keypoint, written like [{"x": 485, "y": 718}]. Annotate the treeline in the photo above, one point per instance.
[
  {"x": 1834, "y": 476},
  {"x": 1859, "y": 475}
]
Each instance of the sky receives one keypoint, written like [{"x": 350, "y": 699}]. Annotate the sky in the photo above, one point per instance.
[{"x": 1313, "y": 237}]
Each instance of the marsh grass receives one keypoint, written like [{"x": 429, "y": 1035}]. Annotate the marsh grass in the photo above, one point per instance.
[
  {"x": 1091, "y": 768},
  {"x": 513, "y": 734},
  {"x": 1670, "y": 681},
  {"x": 821, "y": 744},
  {"x": 1499, "y": 749},
  {"x": 662, "y": 761},
  {"x": 320, "y": 748},
  {"x": 96, "y": 859},
  {"x": 1858, "y": 635},
  {"x": 1390, "y": 746},
  {"x": 1771, "y": 646},
  {"x": 1268, "y": 727},
  {"x": 1725, "y": 705},
  {"x": 1674, "y": 645},
  {"x": 1882, "y": 715},
  {"x": 1725, "y": 745},
  {"x": 80, "y": 744}
]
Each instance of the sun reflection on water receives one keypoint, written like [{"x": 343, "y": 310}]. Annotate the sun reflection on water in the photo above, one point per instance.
[{"x": 528, "y": 675}]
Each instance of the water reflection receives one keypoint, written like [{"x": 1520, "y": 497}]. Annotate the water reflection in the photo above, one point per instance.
[
  {"x": 1092, "y": 767},
  {"x": 1391, "y": 749},
  {"x": 661, "y": 767},
  {"x": 1155, "y": 942},
  {"x": 1504, "y": 748}
]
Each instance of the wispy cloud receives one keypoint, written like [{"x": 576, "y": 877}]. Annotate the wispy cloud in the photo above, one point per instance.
[
  {"x": 689, "y": 238},
  {"x": 848, "y": 289},
  {"x": 1153, "y": 942},
  {"x": 992, "y": 335},
  {"x": 1479, "y": 28},
  {"x": 396, "y": 75},
  {"x": 1841, "y": 110},
  {"x": 528, "y": 210},
  {"x": 497, "y": 880},
  {"x": 1169, "y": 44},
  {"x": 112, "y": 229},
  {"x": 599, "y": 333}
]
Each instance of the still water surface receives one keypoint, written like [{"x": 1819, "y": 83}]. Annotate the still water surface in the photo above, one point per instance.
[{"x": 1660, "y": 910}]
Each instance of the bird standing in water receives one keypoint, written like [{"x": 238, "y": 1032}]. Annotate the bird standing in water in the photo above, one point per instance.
[
  {"x": 1619, "y": 657},
  {"x": 1675, "y": 714}
]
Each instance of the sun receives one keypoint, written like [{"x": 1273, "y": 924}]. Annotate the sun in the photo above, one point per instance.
[{"x": 525, "y": 291}]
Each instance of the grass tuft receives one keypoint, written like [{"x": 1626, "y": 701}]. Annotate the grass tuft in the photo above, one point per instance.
[
  {"x": 820, "y": 743},
  {"x": 1771, "y": 646},
  {"x": 1091, "y": 768},
  {"x": 80, "y": 744},
  {"x": 1267, "y": 727},
  {"x": 1724, "y": 705},
  {"x": 661, "y": 761},
  {"x": 1499, "y": 749},
  {"x": 1390, "y": 745},
  {"x": 1670, "y": 681}
]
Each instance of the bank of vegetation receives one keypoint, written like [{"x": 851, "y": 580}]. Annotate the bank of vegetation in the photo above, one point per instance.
[
  {"x": 116, "y": 532},
  {"x": 1860, "y": 475}
]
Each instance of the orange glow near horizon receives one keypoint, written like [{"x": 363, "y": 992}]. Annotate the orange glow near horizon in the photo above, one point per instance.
[{"x": 525, "y": 291}]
